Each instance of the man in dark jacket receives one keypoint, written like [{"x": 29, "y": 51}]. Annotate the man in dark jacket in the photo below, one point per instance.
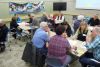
[
  {"x": 3, "y": 35},
  {"x": 30, "y": 18},
  {"x": 94, "y": 21}
]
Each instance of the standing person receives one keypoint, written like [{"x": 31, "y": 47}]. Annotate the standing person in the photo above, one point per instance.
[
  {"x": 39, "y": 40},
  {"x": 94, "y": 21},
  {"x": 93, "y": 44},
  {"x": 59, "y": 46},
  {"x": 3, "y": 35}
]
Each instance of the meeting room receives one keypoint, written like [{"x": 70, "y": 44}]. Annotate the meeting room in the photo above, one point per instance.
[{"x": 49, "y": 33}]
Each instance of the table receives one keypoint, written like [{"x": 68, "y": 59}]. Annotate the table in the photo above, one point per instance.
[
  {"x": 24, "y": 26},
  {"x": 81, "y": 49},
  {"x": 90, "y": 28}
]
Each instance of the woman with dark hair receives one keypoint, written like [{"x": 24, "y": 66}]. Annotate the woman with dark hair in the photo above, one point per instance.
[
  {"x": 59, "y": 46},
  {"x": 14, "y": 27},
  {"x": 68, "y": 28}
]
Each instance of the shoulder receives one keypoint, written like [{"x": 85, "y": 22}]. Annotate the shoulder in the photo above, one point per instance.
[{"x": 97, "y": 38}]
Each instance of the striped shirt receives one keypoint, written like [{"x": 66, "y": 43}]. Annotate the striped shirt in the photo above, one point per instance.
[{"x": 95, "y": 47}]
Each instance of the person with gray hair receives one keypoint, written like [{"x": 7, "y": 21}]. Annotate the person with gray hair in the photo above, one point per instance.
[
  {"x": 3, "y": 35},
  {"x": 77, "y": 22},
  {"x": 39, "y": 40},
  {"x": 93, "y": 44}
]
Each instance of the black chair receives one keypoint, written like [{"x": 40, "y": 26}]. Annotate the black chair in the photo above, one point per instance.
[{"x": 31, "y": 56}]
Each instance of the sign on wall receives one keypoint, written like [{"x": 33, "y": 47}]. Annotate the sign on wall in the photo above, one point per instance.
[{"x": 16, "y": 8}]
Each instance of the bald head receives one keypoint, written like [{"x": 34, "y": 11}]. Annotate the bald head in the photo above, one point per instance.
[{"x": 1, "y": 22}]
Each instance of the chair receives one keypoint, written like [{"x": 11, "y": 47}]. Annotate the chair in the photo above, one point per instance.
[
  {"x": 95, "y": 62},
  {"x": 53, "y": 62},
  {"x": 30, "y": 55}
]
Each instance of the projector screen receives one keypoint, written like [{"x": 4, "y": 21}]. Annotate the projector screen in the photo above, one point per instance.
[{"x": 88, "y": 4}]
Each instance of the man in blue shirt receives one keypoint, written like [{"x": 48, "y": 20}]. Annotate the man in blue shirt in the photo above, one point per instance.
[
  {"x": 39, "y": 40},
  {"x": 93, "y": 44}
]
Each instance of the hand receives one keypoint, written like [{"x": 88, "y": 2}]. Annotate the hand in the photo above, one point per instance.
[
  {"x": 74, "y": 48},
  {"x": 48, "y": 30},
  {"x": 19, "y": 28},
  {"x": 64, "y": 35},
  {"x": 88, "y": 39}
]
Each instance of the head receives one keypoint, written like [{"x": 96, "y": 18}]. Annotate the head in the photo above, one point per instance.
[
  {"x": 83, "y": 25},
  {"x": 95, "y": 32},
  {"x": 80, "y": 17},
  {"x": 65, "y": 24},
  {"x": 95, "y": 17},
  {"x": 1, "y": 23},
  {"x": 44, "y": 26},
  {"x": 44, "y": 14},
  {"x": 60, "y": 14},
  {"x": 13, "y": 19},
  {"x": 16, "y": 15},
  {"x": 60, "y": 30},
  {"x": 30, "y": 16}
]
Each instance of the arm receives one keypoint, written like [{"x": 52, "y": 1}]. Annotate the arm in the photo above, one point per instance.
[
  {"x": 93, "y": 44},
  {"x": 75, "y": 35},
  {"x": 4, "y": 35},
  {"x": 68, "y": 46},
  {"x": 46, "y": 37}
]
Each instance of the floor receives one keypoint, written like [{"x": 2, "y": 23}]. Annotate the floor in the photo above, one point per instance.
[{"x": 13, "y": 53}]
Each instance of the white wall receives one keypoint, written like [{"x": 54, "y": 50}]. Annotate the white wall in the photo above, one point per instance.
[{"x": 71, "y": 10}]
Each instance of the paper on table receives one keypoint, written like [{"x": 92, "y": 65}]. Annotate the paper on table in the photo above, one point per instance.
[{"x": 81, "y": 49}]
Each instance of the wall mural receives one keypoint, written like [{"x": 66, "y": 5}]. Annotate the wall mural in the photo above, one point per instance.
[{"x": 16, "y": 8}]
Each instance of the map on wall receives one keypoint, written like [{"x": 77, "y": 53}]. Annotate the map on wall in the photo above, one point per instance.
[{"x": 16, "y": 8}]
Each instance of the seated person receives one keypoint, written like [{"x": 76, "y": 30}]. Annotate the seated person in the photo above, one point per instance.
[
  {"x": 18, "y": 19},
  {"x": 59, "y": 46},
  {"x": 44, "y": 18},
  {"x": 30, "y": 18},
  {"x": 94, "y": 21},
  {"x": 82, "y": 32},
  {"x": 59, "y": 19},
  {"x": 77, "y": 22},
  {"x": 93, "y": 44},
  {"x": 3, "y": 35},
  {"x": 68, "y": 28},
  {"x": 39, "y": 40},
  {"x": 14, "y": 27}
]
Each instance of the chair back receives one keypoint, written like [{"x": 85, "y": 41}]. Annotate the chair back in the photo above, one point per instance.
[{"x": 54, "y": 62}]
